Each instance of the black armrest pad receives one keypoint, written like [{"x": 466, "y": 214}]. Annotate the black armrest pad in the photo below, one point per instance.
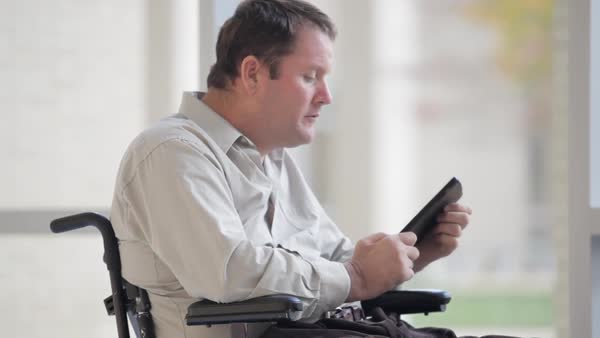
[
  {"x": 409, "y": 301},
  {"x": 262, "y": 309}
]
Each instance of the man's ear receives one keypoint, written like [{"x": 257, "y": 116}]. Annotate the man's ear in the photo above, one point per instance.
[{"x": 250, "y": 73}]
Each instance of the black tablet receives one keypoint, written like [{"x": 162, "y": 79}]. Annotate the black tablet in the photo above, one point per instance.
[{"x": 425, "y": 220}]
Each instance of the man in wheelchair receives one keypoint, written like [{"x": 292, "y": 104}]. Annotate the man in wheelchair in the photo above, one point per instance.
[{"x": 208, "y": 203}]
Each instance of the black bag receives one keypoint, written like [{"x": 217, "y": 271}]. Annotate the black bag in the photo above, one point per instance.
[{"x": 380, "y": 325}]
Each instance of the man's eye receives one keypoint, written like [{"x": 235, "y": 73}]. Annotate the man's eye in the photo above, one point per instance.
[{"x": 310, "y": 78}]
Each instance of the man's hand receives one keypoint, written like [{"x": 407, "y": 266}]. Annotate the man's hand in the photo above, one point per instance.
[
  {"x": 380, "y": 262},
  {"x": 443, "y": 240}
]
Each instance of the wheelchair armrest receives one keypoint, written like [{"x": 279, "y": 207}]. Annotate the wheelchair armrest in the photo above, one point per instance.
[
  {"x": 272, "y": 308},
  {"x": 409, "y": 301}
]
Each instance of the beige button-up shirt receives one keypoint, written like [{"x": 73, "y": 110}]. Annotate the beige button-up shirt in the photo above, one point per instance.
[{"x": 199, "y": 214}]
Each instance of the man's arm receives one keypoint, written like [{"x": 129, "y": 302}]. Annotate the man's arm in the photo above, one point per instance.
[
  {"x": 182, "y": 197},
  {"x": 381, "y": 262},
  {"x": 376, "y": 264}
]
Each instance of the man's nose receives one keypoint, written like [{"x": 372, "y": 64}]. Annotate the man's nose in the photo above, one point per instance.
[{"x": 324, "y": 95}]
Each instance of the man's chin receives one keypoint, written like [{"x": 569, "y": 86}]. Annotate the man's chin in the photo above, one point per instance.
[
  {"x": 305, "y": 137},
  {"x": 308, "y": 136}
]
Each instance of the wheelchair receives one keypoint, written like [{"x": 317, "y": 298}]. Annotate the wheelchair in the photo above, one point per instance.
[{"x": 128, "y": 300}]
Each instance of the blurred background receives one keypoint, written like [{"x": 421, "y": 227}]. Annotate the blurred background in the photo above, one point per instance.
[{"x": 423, "y": 91}]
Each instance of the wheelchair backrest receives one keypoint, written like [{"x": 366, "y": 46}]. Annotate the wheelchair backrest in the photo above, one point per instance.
[{"x": 126, "y": 298}]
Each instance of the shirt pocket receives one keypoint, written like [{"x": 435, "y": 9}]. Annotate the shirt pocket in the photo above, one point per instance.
[
  {"x": 300, "y": 210},
  {"x": 298, "y": 230}
]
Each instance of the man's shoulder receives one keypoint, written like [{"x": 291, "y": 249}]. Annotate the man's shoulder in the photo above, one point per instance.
[
  {"x": 165, "y": 138},
  {"x": 172, "y": 129}
]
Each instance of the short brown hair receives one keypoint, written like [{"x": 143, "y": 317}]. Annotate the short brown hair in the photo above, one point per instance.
[{"x": 266, "y": 29}]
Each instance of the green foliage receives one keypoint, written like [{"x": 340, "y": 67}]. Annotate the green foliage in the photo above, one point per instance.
[
  {"x": 526, "y": 28},
  {"x": 499, "y": 309}
]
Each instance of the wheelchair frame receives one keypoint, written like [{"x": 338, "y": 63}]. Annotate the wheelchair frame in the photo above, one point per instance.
[{"x": 128, "y": 299}]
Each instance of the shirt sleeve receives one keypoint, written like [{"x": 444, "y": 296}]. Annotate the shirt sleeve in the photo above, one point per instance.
[
  {"x": 335, "y": 246},
  {"x": 181, "y": 196}
]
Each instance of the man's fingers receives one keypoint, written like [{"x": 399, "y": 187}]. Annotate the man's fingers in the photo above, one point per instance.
[
  {"x": 458, "y": 217},
  {"x": 450, "y": 229},
  {"x": 458, "y": 207},
  {"x": 408, "y": 238},
  {"x": 373, "y": 238},
  {"x": 412, "y": 253}
]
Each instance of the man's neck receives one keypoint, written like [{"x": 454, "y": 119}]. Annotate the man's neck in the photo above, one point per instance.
[{"x": 233, "y": 109}]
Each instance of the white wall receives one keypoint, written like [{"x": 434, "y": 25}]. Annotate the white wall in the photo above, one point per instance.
[
  {"x": 77, "y": 81},
  {"x": 71, "y": 99}
]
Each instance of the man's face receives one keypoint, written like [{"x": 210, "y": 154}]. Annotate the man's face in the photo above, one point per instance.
[{"x": 291, "y": 103}]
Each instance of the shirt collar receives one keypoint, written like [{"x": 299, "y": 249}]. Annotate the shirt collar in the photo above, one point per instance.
[
  {"x": 219, "y": 129},
  {"x": 277, "y": 155}
]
